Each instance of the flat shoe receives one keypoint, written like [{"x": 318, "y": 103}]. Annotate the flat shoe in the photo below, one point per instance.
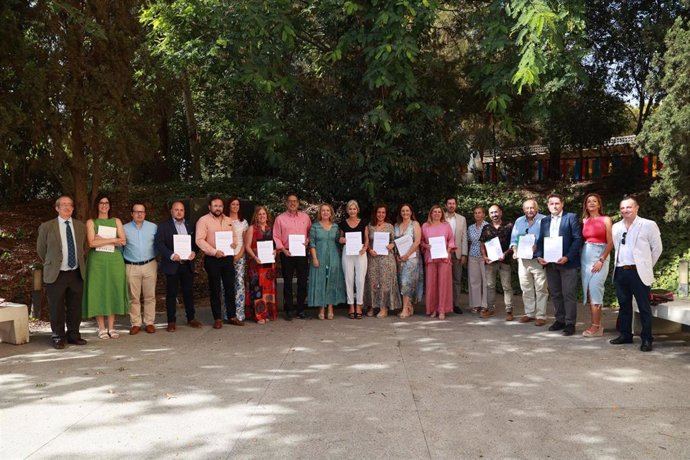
[{"x": 114, "y": 334}]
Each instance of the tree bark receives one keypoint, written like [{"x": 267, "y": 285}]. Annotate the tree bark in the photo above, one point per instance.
[{"x": 192, "y": 130}]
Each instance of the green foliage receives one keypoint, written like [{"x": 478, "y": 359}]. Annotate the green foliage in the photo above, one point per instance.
[{"x": 667, "y": 132}]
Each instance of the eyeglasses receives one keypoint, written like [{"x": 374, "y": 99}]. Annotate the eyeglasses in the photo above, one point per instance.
[
  {"x": 104, "y": 202},
  {"x": 624, "y": 235}
]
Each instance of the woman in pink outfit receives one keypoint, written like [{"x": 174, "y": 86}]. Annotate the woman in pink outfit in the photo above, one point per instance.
[{"x": 439, "y": 272}]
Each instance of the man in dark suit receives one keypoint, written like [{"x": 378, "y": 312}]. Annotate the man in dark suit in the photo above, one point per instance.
[
  {"x": 62, "y": 246},
  {"x": 561, "y": 274},
  {"x": 178, "y": 270}
]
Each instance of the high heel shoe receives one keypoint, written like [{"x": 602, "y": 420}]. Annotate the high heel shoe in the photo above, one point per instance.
[
  {"x": 329, "y": 315},
  {"x": 405, "y": 313},
  {"x": 321, "y": 315},
  {"x": 598, "y": 333},
  {"x": 351, "y": 314}
]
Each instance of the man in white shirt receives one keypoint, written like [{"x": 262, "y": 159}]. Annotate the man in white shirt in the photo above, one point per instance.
[
  {"x": 637, "y": 242},
  {"x": 459, "y": 255}
]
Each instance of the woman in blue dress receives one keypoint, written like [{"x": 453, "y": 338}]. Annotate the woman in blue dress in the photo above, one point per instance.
[
  {"x": 326, "y": 282},
  {"x": 410, "y": 268}
]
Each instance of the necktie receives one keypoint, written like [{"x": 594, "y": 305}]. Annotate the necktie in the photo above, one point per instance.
[{"x": 71, "y": 250}]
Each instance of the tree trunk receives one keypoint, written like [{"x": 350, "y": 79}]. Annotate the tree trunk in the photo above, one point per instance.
[
  {"x": 192, "y": 130},
  {"x": 554, "y": 164}
]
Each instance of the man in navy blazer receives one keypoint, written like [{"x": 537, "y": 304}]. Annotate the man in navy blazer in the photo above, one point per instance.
[
  {"x": 177, "y": 270},
  {"x": 562, "y": 273}
]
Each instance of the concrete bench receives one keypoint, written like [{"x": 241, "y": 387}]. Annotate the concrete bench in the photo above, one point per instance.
[
  {"x": 14, "y": 323},
  {"x": 677, "y": 311}
]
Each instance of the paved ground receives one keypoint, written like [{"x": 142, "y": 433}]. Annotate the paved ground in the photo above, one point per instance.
[{"x": 376, "y": 388}]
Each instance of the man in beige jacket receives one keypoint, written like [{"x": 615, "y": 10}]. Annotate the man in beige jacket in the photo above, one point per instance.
[{"x": 459, "y": 256}]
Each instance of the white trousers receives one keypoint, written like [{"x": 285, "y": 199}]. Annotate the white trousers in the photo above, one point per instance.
[{"x": 355, "y": 271}]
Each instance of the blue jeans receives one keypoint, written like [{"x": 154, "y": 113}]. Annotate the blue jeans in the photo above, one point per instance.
[{"x": 628, "y": 285}]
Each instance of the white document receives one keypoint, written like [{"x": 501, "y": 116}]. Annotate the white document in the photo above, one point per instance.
[
  {"x": 224, "y": 243},
  {"x": 264, "y": 251},
  {"x": 296, "y": 245},
  {"x": 553, "y": 248},
  {"x": 404, "y": 243},
  {"x": 438, "y": 247},
  {"x": 353, "y": 243},
  {"x": 381, "y": 240},
  {"x": 182, "y": 246},
  {"x": 494, "y": 251},
  {"x": 107, "y": 232},
  {"x": 524, "y": 249}
]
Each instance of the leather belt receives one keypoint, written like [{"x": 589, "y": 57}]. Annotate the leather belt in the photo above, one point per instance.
[
  {"x": 628, "y": 267},
  {"x": 139, "y": 263}
]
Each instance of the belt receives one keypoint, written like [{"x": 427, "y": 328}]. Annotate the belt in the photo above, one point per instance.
[
  {"x": 139, "y": 263},
  {"x": 628, "y": 267}
]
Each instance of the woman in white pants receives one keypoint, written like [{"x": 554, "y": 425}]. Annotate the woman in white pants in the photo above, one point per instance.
[{"x": 355, "y": 265}]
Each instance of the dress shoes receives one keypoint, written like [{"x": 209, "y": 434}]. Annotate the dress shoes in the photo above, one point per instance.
[
  {"x": 134, "y": 330},
  {"x": 195, "y": 323},
  {"x": 526, "y": 319},
  {"x": 150, "y": 328},
  {"x": 646, "y": 346},
  {"x": 235, "y": 322},
  {"x": 487, "y": 313},
  {"x": 509, "y": 316},
  {"x": 557, "y": 326},
  {"x": 620, "y": 340},
  {"x": 288, "y": 316},
  {"x": 172, "y": 327},
  {"x": 540, "y": 322},
  {"x": 58, "y": 343},
  {"x": 301, "y": 315},
  {"x": 569, "y": 329},
  {"x": 78, "y": 341},
  {"x": 217, "y": 324},
  {"x": 457, "y": 310}
]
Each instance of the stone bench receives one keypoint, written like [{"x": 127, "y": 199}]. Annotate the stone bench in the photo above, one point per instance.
[{"x": 14, "y": 323}]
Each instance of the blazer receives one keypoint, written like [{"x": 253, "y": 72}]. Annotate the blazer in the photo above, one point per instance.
[
  {"x": 163, "y": 241},
  {"x": 49, "y": 248},
  {"x": 571, "y": 232},
  {"x": 460, "y": 235},
  {"x": 647, "y": 246}
]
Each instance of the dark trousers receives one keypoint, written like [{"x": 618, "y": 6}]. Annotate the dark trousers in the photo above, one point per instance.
[
  {"x": 221, "y": 270},
  {"x": 184, "y": 278},
  {"x": 290, "y": 265},
  {"x": 628, "y": 285},
  {"x": 64, "y": 302},
  {"x": 562, "y": 285}
]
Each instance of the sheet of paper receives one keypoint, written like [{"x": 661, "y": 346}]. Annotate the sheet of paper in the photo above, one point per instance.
[
  {"x": 182, "y": 246},
  {"x": 524, "y": 249},
  {"x": 353, "y": 243},
  {"x": 553, "y": 248},
  {"x": 264, "y": 251},
  {"x": 381, "y": 240},
  {"x": 404, "y": 243},
  {"x": 296, "y": 245},
  {"x": 224, "y": 243},
  {"x": 493, "y": 249},
  {"x": 107, "y": 232},
  {"x": 438, "y": 247}
]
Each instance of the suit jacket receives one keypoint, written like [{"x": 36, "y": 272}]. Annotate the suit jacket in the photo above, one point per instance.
[
  {"x": 460, "y": 235},
  {"x": 49, "y": 248},
  {"x": 165, "y": 247},
  {"x": 646, "y": 245},
  {"x": 571, "y": 232}
]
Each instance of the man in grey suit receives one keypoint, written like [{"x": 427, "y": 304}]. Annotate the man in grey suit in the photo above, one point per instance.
[
  {"x": 637, "y": 242},
  {"x": 459, "y": 256},
  {"x": 61, "y": 246}
]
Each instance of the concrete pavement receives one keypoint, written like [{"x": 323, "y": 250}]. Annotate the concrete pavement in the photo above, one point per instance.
[{"x": 375, "y": 388}]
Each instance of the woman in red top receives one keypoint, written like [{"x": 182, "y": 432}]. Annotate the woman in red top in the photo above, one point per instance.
[{"x": 596, "y": 233}]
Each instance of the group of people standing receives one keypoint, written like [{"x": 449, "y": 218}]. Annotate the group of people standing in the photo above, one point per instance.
[{"x": 375, "y": 267}]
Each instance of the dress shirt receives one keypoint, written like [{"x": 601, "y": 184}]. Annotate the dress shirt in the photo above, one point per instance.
[
  {"x": 64, "y": 266},
  {"x": 625, "y": 251},
  {"x": 522, "y": 227},
  {"x": 139, "y": 247},
  {"x": 451, "y": 221},
  {"x": 206, "y": 228},
  {"x": 290, "y": 224},
  {"x": 555, "y": 224},
  {"x": 180, "y": 226}
]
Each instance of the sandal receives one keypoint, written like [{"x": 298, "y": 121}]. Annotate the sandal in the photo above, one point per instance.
[
  {"x": 261, "y": 321},
  {"x": 103, "y": 334},
  {"x": 113, "y": 334},
  {"x": 475, "y": 309},
  {"x": 352, "y": 314},
  {"x": 358, "y": 315}
]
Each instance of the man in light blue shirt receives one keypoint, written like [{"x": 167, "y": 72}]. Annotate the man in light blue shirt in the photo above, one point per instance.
[
  {"x": 142, "y": 269},
  {"x": 535, "y": 293}
]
